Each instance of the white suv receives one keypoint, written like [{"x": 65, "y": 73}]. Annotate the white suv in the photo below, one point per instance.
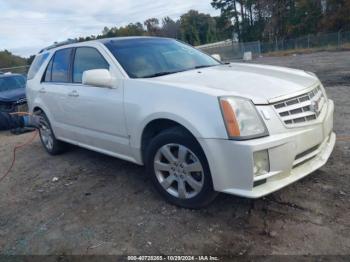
[{"x": 200, "y": 126}]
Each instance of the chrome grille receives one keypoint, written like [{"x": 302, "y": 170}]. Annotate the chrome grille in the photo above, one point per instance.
[{"x": 301, "y": 109}]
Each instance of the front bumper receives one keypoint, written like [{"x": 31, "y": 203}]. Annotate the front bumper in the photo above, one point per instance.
[
  {"x": 11, "y": 107},
  {"x": 293, "y": 154}
]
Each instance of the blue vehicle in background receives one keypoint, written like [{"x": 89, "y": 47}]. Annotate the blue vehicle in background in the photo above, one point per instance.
[{"x": 13, "y": 93}]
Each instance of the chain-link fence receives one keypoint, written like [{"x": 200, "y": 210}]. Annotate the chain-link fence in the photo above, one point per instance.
[{"x": 229, "y": 50}]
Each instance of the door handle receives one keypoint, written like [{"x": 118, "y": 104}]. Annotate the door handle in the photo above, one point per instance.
[
  {"x": 42, "y": 90},
  {"x": 73, "y": 94}
]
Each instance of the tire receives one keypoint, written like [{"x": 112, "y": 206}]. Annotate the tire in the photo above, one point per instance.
[
  {"x": 48, "y": 139},
  {"x": 185, "y": 179}
]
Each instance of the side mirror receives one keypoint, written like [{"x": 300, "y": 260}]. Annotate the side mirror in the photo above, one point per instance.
[
  {"x": 216, "y": 56},
  {"x": 98, "y": 77}
]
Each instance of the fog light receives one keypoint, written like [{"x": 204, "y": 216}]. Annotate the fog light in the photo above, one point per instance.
[{"x": 261, "y": 163}]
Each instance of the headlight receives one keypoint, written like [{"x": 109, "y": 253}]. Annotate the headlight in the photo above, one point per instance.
[
  {"x": 321, "y": 85},
  {"x": 241, "y": 118},
  {"x": 324, "y": 91}
]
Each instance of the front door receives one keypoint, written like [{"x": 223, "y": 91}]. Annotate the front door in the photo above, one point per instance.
[{"x": 96, "y": 114}]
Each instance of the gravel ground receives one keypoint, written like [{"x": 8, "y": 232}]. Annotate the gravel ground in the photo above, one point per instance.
[{"x": 102, "y": 205}]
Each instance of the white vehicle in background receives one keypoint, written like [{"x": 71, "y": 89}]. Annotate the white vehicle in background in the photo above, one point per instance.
[{"x": 200, "y": 126}]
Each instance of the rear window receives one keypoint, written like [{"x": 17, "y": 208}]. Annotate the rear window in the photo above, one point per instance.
[
  {"x": 11, "y": 83},
  {"x": 37, "y": 63}
]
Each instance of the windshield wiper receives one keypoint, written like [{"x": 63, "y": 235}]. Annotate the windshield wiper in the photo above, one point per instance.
[
  {"x": 162, "y": 74},
  {"x": 204, "y": 66},
  {"x": 174, "y": 72}
]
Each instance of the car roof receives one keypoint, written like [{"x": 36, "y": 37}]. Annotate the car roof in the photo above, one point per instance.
[
  {"x": 104, "y": 40},
  {"x": 73, "y": 43}
]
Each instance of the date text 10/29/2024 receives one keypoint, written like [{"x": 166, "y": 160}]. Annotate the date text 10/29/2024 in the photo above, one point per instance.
[{"x": 173, "y": 258}]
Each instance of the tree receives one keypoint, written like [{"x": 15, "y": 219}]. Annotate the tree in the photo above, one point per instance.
[
  {"x": 30, "y": 59},
  {"x": 198, "y": 28},
  {"x": 229, "y": 10},
  {"x": 170, "y": 28},
  {"x": 152, "y": 26},
  {"x": 270, "y": 19},
  {"x": 7, "y": 59},
  {"x": 251, "y": 20},
  {"x": 224, "y": 27},
  {"x": 336, "y": 16},
  {"x": 131, "y": 30},
  {"x": 305, "y": 18}
]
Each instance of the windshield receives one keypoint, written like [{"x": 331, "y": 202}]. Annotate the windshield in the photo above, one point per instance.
[
  {"x": 11, "y": 83},
  {"x": 151, "y": 57}
]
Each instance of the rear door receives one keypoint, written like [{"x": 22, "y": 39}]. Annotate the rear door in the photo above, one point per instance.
[{"x": 53, "y": 92}]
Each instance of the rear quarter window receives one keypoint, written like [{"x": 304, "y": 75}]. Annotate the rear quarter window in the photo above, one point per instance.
[{"x": 37, "y": 63}]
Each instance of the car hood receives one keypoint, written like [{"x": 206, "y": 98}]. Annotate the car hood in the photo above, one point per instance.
[
  {"x": 260, "y": 83},
  {"x": 12, "y": 95}
]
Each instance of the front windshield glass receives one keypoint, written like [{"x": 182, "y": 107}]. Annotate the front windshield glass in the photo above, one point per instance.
[
  {"x": 11, "y": 83},
  {"x": 151, "y": 57}
]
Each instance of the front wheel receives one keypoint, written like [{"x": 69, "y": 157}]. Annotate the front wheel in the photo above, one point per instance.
[{"x": 179, "y": 169}]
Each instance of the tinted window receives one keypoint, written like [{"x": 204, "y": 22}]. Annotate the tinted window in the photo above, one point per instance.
[
  {"x": 47, "y": 77},
  {"x": 149, "y": 57},
  {"x": 37, "y": 63},
  {"x": 60, "y": 66},
  {"x": 87, "y": 58},
  {"x": 11, "y": 83}
]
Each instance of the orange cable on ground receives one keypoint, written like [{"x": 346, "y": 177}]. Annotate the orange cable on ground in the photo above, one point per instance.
[
  {"x": 14, "y": 154},
  {"x": 19, "y": 146},
  {"x": 21, "y": 113}
]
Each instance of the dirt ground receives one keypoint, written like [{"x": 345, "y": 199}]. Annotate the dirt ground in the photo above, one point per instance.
[{"x": 102, "y": 205}]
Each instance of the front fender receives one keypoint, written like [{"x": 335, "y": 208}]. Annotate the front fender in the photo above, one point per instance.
[
  {"x": 38, "y": 103},
  {"x": 168, "y": 116},
  {"x": 198, "y": 112}
]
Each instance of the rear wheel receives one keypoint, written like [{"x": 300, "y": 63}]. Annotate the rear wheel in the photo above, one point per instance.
[
  {"x": 48, "y": 139},
  {"x": 179, "y": 169}
]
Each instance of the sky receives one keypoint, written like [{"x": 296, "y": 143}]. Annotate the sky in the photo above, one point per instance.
[{"x": 26, "y": 26}]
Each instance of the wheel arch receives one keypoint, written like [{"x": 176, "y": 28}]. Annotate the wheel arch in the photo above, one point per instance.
[
  {"x": 155, "y": 125},
  {"x": 38, "y": 108},
  {"x": 41, "y": 108}
]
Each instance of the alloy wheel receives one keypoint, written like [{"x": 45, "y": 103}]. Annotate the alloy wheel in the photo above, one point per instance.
[
  {"x": 46, "y": 135},
  {"x": 179, "y": 171}
]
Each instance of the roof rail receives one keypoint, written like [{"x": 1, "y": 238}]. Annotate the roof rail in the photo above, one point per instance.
[{"x": 58, "y": 44}]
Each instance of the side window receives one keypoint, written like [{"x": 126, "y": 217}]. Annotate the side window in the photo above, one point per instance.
[
  {"x": 60, "y": 66},
  {"x": 47, "y": 77},
  {"x": 87, "y": 58},
  {"x": 35, "y": 66}
]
